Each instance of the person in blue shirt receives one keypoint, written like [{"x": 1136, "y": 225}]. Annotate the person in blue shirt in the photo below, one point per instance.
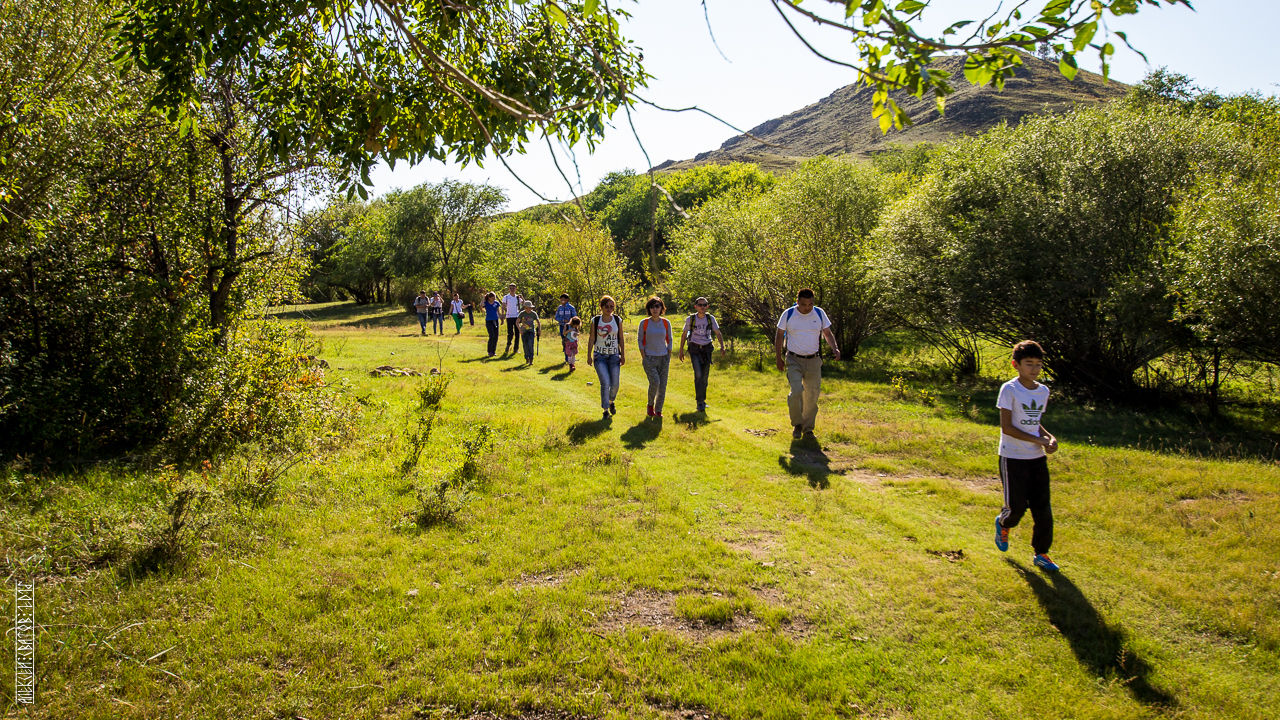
[
  {"x": 491, "y": 321},
  {"x": 564, "y": 314}
]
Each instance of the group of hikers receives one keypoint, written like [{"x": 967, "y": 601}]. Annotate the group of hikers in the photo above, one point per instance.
[
  {"x": 1024, "y": 443},
  {"x": 432, "y": 308}
]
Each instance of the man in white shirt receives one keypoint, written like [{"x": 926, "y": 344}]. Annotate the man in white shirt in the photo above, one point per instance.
[
  {"x": 801, "y": 329},
  {"x": 511, "y": 302}
]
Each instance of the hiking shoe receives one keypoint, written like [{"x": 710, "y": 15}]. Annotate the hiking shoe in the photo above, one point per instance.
[
  {"x": 797, "y": 433},
  {"x": 606, "y": 415},
  {"x": 650, "y": 411},
  {"x": 1002, "y": 536},
  {"x": 1043, "y": 562},
  {"x": 612, "y": 410},
  {"x": 808, "y": 435},
  {"x": 702, "y": 408}
]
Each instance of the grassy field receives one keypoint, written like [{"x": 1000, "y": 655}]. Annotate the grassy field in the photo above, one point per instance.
[{"x": 702, "y": 566}]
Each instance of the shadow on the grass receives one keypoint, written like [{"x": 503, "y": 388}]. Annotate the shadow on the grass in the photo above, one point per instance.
[
  {"x": 551, "y": 368},
  {"x": 584, "y": 430},
  {"x": 808, "y": 460},
  {"x": 562, "y": 376},
  {"x": 694, "y": 420},
  {"x": 643, "y": 432},
  {"x": 1097, "y": 644}
]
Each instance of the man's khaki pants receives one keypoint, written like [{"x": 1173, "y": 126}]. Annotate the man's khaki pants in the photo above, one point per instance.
[{"x": 805, "y": 376}]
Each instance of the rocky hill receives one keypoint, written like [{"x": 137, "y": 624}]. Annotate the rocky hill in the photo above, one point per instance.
[{"x": 841, "y": 124}]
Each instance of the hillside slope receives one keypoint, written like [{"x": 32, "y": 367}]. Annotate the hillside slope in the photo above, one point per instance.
[{"x": 841, "y": 123}]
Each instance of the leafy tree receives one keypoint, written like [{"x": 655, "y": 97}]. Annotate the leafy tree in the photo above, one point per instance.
[
  {"x": 1171, "y": 89},
  {"x": 753, "y": 251},
  {"x": 1057, "y": 230},
  {"x": 438, "y": 223},
  {"x": 547, "y": 259},
  {"x": 351, "y": 250},
  {"x": 641, "y": 211},
  {"x": 1228, "y": 267},
  {"x": 384, "y": 80}
]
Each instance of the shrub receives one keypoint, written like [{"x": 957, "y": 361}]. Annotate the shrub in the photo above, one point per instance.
[
  {"x": 260, "y": 388},
  {"x": 433, "y": 390},
  {"x": 1058, "y": 229}
]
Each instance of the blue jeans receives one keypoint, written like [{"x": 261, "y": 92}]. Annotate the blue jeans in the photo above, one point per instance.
[
  {"x": 529, "y": 337},
  {"x": 422, "y": 321},
  {"x": 608, "y": 370}
]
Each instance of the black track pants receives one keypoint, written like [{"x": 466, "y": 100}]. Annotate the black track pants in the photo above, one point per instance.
[
  {"x": 512, "y": 332},
  {"x": 492, "y": 327},
  {"x": 1026, "y": 487}
]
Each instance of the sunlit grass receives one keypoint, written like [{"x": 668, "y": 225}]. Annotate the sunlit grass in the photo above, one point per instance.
[{"x": 865, "y": 563}]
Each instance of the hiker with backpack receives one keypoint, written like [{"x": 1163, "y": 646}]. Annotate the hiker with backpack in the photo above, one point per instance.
[
  {"x": 606, "y": 347},
  {"x": 801, "y": 329},
  {"x": 700, "y": 329},
  {"x": 655, "y": 352}
]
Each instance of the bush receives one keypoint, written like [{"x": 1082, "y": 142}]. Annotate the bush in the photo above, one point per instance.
[
  {"x": 433, "y": 390},
  {"x": 262, "y": 387},
  {"x": 1058, "y": 229}
]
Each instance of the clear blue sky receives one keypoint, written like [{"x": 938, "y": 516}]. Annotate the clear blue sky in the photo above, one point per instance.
[{"x": 1229, "y": 45}]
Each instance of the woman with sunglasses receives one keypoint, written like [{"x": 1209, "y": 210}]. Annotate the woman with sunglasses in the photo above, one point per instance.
[{"x": 606, "y": 340}]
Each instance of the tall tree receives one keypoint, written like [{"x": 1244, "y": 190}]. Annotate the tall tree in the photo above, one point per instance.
[{"x": 439, "y": 222}]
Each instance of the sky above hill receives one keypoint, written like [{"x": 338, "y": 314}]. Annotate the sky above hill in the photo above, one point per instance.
[{"x": 760, "y": 71}]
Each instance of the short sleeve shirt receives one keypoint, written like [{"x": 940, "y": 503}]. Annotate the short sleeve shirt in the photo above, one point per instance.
[
  {"x": 607, "y": 336},
  {"x": 1027, "y": 407},
  {"x": 421, "y": 303},
  {"x": 701, "y": 330},
  {"x": 528, "y": 321},
  {"x": 513, "y": 305},
  {"x": 491, "y": 310},
  {"x": 455, "y": 307},
  {"x": 804, "y": 332},
  {"x": 655, "y": 336}
]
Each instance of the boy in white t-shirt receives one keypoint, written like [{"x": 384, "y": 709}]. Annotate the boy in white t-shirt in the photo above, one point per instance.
[{"x": 1024, "y": 446}]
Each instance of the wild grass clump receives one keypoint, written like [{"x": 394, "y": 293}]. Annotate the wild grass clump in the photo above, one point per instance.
[
  {"x": 709, "y": 610},
  {"x": 171, "y": 542}
]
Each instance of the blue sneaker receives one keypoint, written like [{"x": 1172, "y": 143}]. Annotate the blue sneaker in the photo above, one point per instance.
[
  {"x": 1044, "y": 563},
  {"x": 1002, "y": 536}
]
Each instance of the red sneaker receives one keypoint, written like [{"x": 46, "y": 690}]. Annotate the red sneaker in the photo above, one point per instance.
[{"x": 650, "y": 411}]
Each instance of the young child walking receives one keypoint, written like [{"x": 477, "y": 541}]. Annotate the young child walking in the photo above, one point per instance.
[
  {"x": 570, "y": 338},
  {"x": 1024, "y": 447},
  {"x": 530, "y": 330},
  {"x": 655, "y": 351}
]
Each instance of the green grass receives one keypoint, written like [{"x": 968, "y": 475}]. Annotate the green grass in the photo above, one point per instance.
[{"x": 775, "y": 579}]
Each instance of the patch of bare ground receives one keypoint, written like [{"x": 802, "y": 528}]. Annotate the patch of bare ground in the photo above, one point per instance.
[
  {"x": 648, "y": 609},
  {"x": 681, "y": 712},
  {"x": 545, "y": 578}
]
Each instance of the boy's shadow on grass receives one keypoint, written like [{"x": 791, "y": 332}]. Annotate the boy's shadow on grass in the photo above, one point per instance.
[
  {"x": 1097, "y": 645},
  {"x": 643, "y": 432},
  {"x": 807, "y": 459},
  {"x": 584, "y": 430}
]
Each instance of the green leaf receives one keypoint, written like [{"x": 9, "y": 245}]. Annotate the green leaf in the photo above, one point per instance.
[
  {"x": 557, "y": 14},
  {"x": 589, "y": 7},
  {"x": 1067, "y": 66},
  {"x": 1084, "y": 34},
  {"x": 911, "y": 6}
]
